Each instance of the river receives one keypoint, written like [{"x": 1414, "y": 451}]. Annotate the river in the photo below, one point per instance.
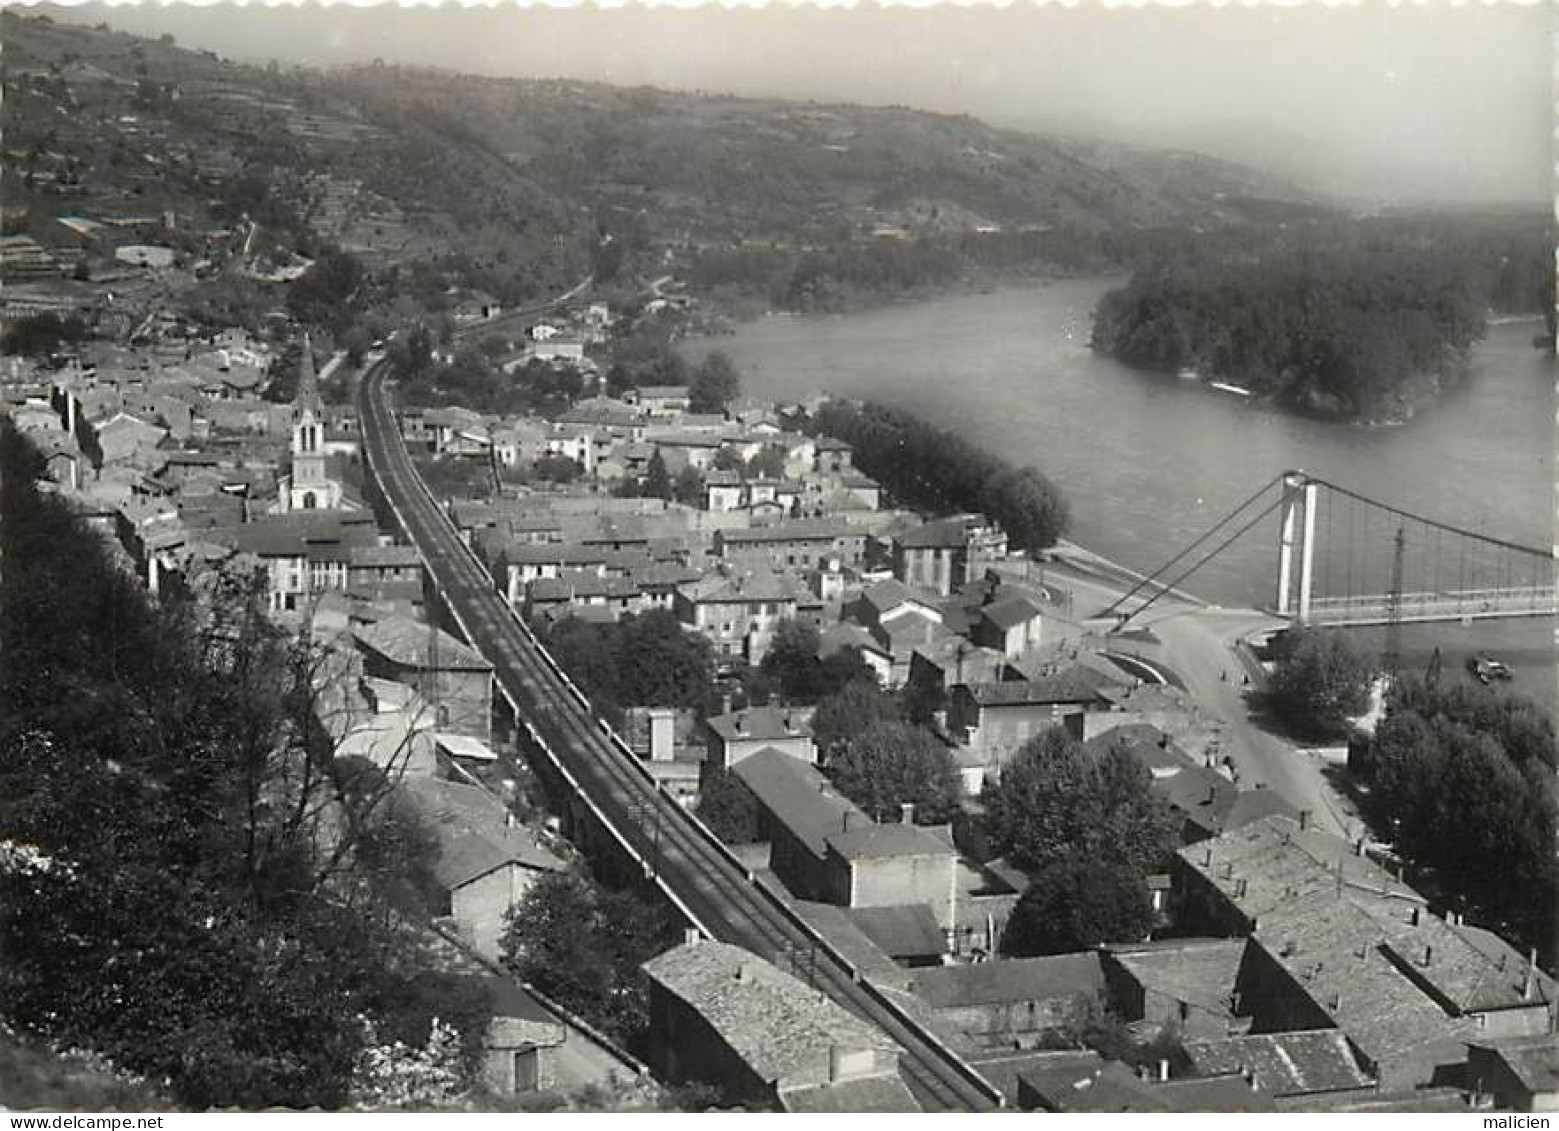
[{"x": 1149, "y": 462}]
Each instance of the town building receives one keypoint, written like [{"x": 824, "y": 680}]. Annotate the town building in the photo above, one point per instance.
[
  {"x": 740, "y": 734},
  {"x": 824, "y": 848},
  {"x": 724, "y": 1016},
  {"x": 309, "y": 485},
  {"x": 449, "y": 674},
  {"x": 945, "y": 555}
]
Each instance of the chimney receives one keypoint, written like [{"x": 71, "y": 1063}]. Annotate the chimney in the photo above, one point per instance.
[
  {"x": 1412, "y": 916},
  {"x": 741, "y": 722},
  {"x": 1428, "y": 954},
  {"x": 1336, "y": 1001},
  {"x": 1163, "y": 1070},
  {"x": 1228, "y": 869},
  {"x": 1239, "y": 888},
  {"x": 691, "y": 936},
  {"x": 1304, "y": 818},
  {"x": 1358, "y": 847},
  {"x": 744, "y": 972},
  {"x": 1529, "y": 982},
  {"x": 1207, "y": 858},
  {"x": 906, "y": 812},
  {"x": 663, "y": 734},
  {"x": 836, "y": 1065}
]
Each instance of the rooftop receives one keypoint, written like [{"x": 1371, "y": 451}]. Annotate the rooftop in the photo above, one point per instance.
[
  {"x": 1199, "y": 972},
  {"x": 1071, "y": 685},
  {"x": 1009, "y": 980},
  {"x": 1285, "y": 1064},
  {"x": 774, "y": 1022},
  {"x": 877, "y": 842},
  {"x": 798, "y": 795},
  {"x": 762, "y": 724},
  {"x": 406, "y": 642}
]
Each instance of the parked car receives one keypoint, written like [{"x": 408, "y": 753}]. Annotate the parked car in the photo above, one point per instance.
[{"x": 1487, "y": 669}]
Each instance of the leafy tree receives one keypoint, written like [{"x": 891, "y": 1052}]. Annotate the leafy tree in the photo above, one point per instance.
[
  {"x": 729, "y": 809},
  {"x": 792, "y": 660},
  {"x": 1462, "y": 804},
  {"x": 662, "y": 664},
  {"x": 38, "y": 335},
  {"x": 845, "y": 713},
  {"x": 557, "y": 469},
  {"x": 890, "y": 763},
  {"x": 728, "y": 459},
  {"x": 1076, "y": 904},
  {"x": 715, "y": 384},
  {"x": 768, "y": 463},
  {"x": 688, "y": 487},
  {"x": 1319, "y": 679},
  {"x": 328, "y": 292},
  {"x": 657, "y": 480},
  {"x": 189, "y": 882},
  {"x": 1059, "y": 799},
  {"x": 582, "y": 944}
]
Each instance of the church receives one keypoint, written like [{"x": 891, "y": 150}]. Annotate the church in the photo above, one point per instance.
[{"x": 309, "y": 485}]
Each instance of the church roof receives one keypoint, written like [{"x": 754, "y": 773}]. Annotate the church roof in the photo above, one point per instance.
[{"x": 308, "y": 386}]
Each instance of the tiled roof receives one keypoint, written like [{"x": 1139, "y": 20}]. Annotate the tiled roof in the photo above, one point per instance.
[
  {"x": 798, "y": 795},
  {"x": 1200, "y": 972},
  {"x": 762, "y": 724},
  {"x": 1072, "y": 685},
  {"x": 385, "y": 556},
  {"x": 472, "y": 827},
  {"x": 406, "y": 643},
  {"x": 880, "y": 842},
  {"x": 1534, "y": 1060},
  {"x": 1152, "y": 746},
  {"x": 1266, "y": 865},
  {"x": 801, "y": 530},
  {"x": 1336, "y": 956},
  {"x": 906, "y": 931},
  {"x": 887, "y": 1094},
  {"x": 1214, "y": 803},
  {"x": 1284, "y": 1064},
  {"x": 779, "y": 1026},
  {"x": 1009, "y": 980},
  {"x": 941, "y": 534},
  {"x": 1010, "y": 612},
  {"x": 746, "y": 586}
]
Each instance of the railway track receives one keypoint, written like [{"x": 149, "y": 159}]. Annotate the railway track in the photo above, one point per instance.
[{"x": 710, "y": 887}]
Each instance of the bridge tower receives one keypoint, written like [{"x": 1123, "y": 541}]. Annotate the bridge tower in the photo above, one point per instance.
[{"x": 1296, "y": 532}]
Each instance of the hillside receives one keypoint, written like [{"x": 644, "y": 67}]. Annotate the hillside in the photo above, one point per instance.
[{"x": 520, "y": 187}]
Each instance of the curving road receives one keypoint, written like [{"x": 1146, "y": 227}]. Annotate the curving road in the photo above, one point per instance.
[{"x": 713, "y": 890}]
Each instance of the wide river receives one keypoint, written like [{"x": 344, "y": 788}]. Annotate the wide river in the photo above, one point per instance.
[{"x": 1149, "y": 462}]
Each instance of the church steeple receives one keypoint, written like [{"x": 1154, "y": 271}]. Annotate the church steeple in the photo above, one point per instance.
[{"x": 308, "y": 386}]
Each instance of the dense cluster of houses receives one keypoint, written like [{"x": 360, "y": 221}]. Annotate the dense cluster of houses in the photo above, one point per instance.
[{"x": 1293, "y": 970}]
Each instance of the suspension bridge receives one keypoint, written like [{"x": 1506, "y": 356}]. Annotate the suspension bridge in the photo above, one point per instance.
[{"x": 1344, "y": 559}]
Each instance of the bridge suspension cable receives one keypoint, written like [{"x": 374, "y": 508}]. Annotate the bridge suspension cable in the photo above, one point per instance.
[
  {"x": 1219, "y": 525},
  {"x": 1200, "y": 562}
]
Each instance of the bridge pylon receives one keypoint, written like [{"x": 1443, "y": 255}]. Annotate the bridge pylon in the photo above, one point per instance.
[{"x": 1296, "y": 532}]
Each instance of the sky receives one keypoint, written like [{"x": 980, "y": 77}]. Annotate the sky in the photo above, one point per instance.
[{"x": 1429, "y": 102}]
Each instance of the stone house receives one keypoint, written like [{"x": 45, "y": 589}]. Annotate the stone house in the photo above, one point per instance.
[
  {"x": 723, "y": 1015},
  {"x": 399, "y": 649},
  {"x": 945, "y": 555},
  {"x": 740, "y": 734},
  {"x": 1012, "y": 1000}
]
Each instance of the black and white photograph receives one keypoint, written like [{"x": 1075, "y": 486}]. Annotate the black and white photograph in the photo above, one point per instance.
[{"x": 891, "y": 558}]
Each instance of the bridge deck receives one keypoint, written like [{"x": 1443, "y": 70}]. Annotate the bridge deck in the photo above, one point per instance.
[
  {"x": 700, "y": 876},
  {"x": 1475, "y": 604}
]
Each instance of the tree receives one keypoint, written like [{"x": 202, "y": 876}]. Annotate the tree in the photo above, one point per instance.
[
  {"x": 557, "y": 469},
  {"x": 1077, "y": 904},
  {"x": 792, "y": 660},
  {"x": 190, "y": 882},
  {"x": 845, "y": 713},
  {"x": 1059, "y": 799},
  {"x": 729, "y": 809},
  {"x": 768, "y": 463},
  {"x": 1459, "y": 803},
  {"x": 890, "y": 763},
  {"x": 1319, "y": 679},
  {"x": 661, "y": 664},
  {"x": 657, "y": 480},
  {"x": 581, "y": 944},
  {"x": 688, "y": 487},
  {"x": 1027, "y": 505},
  {"x": 715, "y": 384}
]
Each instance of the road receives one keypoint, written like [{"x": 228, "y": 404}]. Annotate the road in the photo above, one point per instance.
[
  {"x": 1198, "y": 643},
  {"x": 687, "y": 862}
]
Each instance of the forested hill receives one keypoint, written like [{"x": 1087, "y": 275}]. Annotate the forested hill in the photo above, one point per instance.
[
  {"x": 1364, "y": 321},
  {"x": 518, "y": 188}
]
